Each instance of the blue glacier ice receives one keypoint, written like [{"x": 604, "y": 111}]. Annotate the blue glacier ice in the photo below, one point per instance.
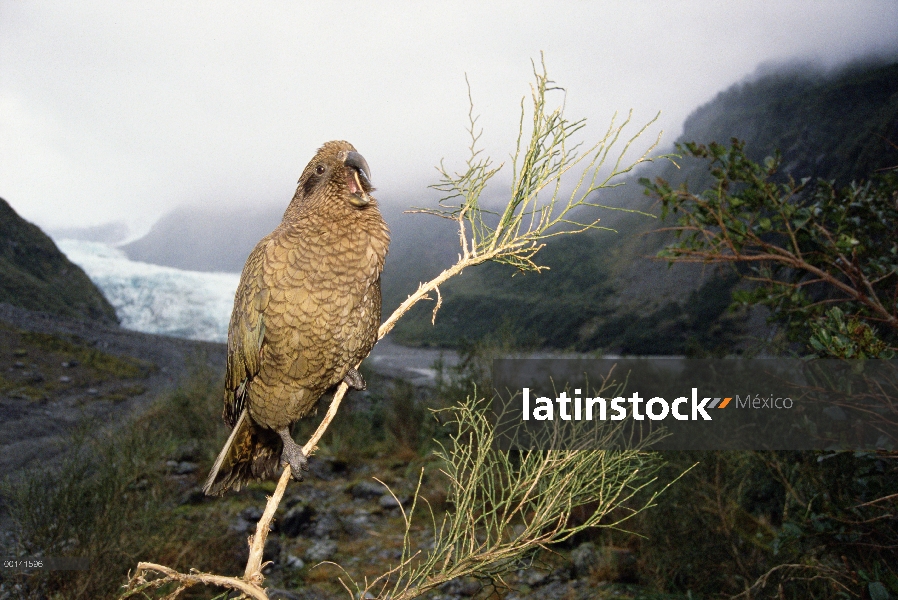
[{"x": 156, "y": 299}]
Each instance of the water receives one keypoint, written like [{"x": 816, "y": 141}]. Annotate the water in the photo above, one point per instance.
[{"x": 415, "y": 365}]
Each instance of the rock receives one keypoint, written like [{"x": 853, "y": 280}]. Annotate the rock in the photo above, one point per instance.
[
  {"x": 276, "y": 594},
  {"x": 556, "y": 590},
  {"x": 246, "y": 519},
  {"x": 193, "y": 496},
  {"x": 321, "y": 550},
  {"x": 388, "y": 501},
  {"x": 307, "y": 495},
  {"x": 367, "y": 490},
  {"x": 241, "y": 525},
  {"x": 33, "y": 376},
  {"x": 188, "y": 451},
  {"x": 389, "y": 554},
  {"x": 294, "y": 562},
  {"x": 534, "y": 577},
  {"x": 186, "y": 468},
  {"x": 10, "y": 591},
  {"x": 326, "y": 525},
  {"x": 356, "y": 524},
  {"x": 585, "y": 558},
  {"x": 561, "y": 574},
  {"x": 272, "y": 551},
  {"x": 251, "y": 514},
  {"x": 461, "y": 586},
  {"x": 327, "y": 468},
  {"x": 297, "y": 520}
]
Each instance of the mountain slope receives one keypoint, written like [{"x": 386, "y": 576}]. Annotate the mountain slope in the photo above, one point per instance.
[
  {"x": 605, "y": 292},
  {"x": 197, "y": 239},
  {"x": 35, "y": 275},
  {"x": 200, "y": 239}
]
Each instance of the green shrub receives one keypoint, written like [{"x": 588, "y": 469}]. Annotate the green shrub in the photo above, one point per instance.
[{"x": 113, "y": 499}]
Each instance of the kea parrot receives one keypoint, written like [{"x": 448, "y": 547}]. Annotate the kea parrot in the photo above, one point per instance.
[{"x": 306, "y": 312}]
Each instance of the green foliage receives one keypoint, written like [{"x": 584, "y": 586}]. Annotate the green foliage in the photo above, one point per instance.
[
  {"x": 392, "y": 419},
  {"x": 835, "y": 125},
  {"x": 407, "y": 418},
  {"x": 73, "y": 347},
  {"x": 835, "y": 335},
  {"x": 806, "y": 245},
  {"x": 35, "y": 275},
  {"x": 541, "y": 161},
  {"x": 571, "y": 306},
  {"x": 825, "y": 262},
  {"x": 506, "y": 505},
  {"x": 52, "y": 364},
  {"x": 700, "y": 327},
  {"x": 787, "y": 525},
  {"x": 113, "y": 499},
  {"x": 526, "y": 310}
]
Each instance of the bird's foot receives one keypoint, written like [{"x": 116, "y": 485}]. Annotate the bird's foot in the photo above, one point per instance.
[
  {"x": 293, "y": 455},
  {"x": 355, "y": 380}
]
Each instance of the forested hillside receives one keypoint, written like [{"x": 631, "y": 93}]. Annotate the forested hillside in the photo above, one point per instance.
[
  {"x": 35, "y": 275},
  {"x": 604, "y": 292}
]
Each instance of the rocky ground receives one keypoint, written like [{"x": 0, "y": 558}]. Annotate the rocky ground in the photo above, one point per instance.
[
  {"x": 341, "y": 515},
  {"x": 59, "y": 375}
]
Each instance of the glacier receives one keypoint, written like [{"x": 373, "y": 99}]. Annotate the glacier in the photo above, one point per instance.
[
  {"x": 197, "y": 305},
  {"x": 156, "y": 299}
]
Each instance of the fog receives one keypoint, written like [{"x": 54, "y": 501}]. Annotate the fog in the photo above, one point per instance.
[{"x": 123, "y": 111}]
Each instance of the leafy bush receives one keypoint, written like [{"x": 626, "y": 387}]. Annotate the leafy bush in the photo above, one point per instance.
[
  {"x": 806, "y": 245},
  {"x": 114, "y": 499},
  {"x": 772, "y": 524}
]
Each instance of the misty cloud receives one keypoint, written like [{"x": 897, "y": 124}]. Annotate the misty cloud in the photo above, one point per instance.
[{"x": 112, "y": 112}]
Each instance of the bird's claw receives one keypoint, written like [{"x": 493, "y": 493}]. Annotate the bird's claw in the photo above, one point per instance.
[
  {"x": 293, "y": 456},
  {"x": 355, "y": 380}
]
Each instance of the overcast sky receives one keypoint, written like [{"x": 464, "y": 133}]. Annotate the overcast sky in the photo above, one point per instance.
[{"x": 124, "y": 110}]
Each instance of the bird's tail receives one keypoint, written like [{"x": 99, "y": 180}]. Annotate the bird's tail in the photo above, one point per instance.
[{"x": 251, "y": 452}]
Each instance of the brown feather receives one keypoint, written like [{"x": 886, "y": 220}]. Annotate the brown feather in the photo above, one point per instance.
[{"x": 306, "y": 311}]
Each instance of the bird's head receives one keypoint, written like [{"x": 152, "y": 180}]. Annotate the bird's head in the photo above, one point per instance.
[{"x": 337, "y": 171}]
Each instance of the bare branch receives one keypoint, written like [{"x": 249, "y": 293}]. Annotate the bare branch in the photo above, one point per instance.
[{"x": 552, "y": 487}]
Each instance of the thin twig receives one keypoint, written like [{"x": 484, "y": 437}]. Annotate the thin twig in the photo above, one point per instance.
[
  {"x": 191, "y": 579},
  {"x": 548, "y": 488}
]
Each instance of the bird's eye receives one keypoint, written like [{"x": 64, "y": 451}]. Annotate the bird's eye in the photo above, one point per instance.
[{"x": 320, "y": 169}]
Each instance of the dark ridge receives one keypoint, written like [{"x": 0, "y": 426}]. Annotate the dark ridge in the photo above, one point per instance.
[
  {"x": 201, "y": 239},
  {"x": 35, "y": 275},
  {"x": 603, "y": 290}
]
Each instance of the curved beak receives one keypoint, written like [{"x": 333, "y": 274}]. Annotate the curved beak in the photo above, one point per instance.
[
  {"x": 359, "y": 179},
  {"x": 358, "y": 162}
]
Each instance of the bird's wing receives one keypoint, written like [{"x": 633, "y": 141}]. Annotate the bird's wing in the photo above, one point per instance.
[{"x": 246, "y": 332}]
